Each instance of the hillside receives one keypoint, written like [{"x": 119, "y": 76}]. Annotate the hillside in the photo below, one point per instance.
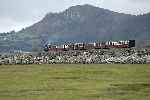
[{"x": 80, "y": 23}]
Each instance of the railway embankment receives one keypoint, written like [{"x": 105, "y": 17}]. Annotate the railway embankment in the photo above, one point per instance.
[{"x": 101, "y": 56}]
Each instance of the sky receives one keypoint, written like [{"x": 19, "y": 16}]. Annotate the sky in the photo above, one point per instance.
[{"x": 18, "y": 14}]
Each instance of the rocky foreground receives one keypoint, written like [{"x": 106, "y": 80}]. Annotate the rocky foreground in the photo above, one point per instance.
[{"x": 103, "y": 56}]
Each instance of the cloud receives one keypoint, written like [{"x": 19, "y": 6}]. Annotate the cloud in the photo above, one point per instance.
[
  {"x": 20, "y": 13},
  {"x": 127, "y": 6},
  {"x": 7, "y": 24},
  {"x": 141, "y": 1}
]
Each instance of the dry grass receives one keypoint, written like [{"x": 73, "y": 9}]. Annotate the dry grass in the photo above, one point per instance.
[{"x": 75, "y": 82}]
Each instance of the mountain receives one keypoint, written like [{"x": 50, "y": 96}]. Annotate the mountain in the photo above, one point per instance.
[{"x": 80, "y": 23}]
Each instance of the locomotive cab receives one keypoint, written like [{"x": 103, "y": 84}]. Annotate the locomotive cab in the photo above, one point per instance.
[
  {"x": 131, "y": 43},
  {"x": 46, "y": 48}
]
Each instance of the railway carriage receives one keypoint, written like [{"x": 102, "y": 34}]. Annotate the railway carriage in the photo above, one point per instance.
[{"x": 89, "y": 46}]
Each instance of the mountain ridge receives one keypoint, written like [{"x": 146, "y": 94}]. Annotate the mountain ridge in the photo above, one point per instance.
[{"x": 82, "y": 23}]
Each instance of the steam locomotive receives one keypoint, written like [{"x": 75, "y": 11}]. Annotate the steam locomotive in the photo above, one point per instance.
[{"x": 89, "y": 46}]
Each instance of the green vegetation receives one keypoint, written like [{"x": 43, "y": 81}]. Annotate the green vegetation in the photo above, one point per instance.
[{"x": 75, "y": 82}]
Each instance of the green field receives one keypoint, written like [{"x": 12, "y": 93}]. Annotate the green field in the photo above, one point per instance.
[{"x": 75, "y": 82}]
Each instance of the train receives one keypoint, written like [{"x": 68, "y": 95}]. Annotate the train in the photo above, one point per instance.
[{"x": 89, "y": 46}]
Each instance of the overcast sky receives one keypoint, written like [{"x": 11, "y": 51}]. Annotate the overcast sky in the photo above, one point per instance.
[{"x": 17, "y": 14}]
